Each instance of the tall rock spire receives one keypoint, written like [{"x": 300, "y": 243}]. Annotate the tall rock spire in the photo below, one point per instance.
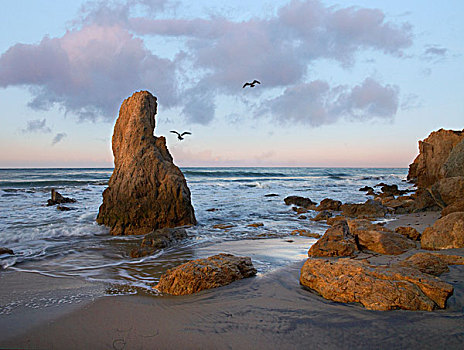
[{"x": 146, "y": 190}]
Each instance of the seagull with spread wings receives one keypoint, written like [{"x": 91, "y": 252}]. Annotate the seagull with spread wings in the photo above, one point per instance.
[
  {"x": 179, "y": 136},
  {"x": 252, "y": 84}
]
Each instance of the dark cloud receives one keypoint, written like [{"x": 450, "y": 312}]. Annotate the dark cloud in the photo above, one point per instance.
[
  {"x": 102, "y": 59},
  {"x": 58, "y": 138},
  {"x": 37, "y": 125},
  {"x": 316, "y": 103}
]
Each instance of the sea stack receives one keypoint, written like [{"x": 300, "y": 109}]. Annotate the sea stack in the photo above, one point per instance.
[{"x": 146, "y": 190}]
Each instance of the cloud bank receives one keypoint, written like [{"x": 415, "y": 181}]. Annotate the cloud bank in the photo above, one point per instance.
[
  {"x": 58, "y": 137},
  {"x": 104, "y": 58}
]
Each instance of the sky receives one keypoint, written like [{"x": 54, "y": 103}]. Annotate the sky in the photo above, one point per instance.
[{"x": 352, "y": 83}]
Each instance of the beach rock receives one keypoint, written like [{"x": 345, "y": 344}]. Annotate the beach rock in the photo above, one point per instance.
[
  {"x": 409, "y": 232},
  {"x": 448, "y": 191},
  {"x": 329, "y": 204},
  {"x": 212, "y": 209},
  {"x": 305, "y": 233},
  {"x": 369, "y": 209},
  {"x": 453, "y": 208},
  {"x": 446, "y": 233},
  {"x": 302, "y": 217},
  {"x": 158, "y": 239},
  {"x": 376, "y": 238},
  {"x": 336, "y": 241},
  {"x": 196, "y": 275},
  {"x": 392, "y": 202},
  {"x": 323, "y": 215},
  {"x": 223, "y": 226},
  {"x": 375, "y": 287},
  {"x": 434, "y": 152},
  {"x": 392, "y": 190},
  {"x": 454, "y": 165},
  {"x": 146, "y": 190},
  {"x": 57, "y": 198},
  {"x": 300, "y": 202},
  {"x": 4, "y": 250},
  {"x": 366, "y": 189},
  {"x": 432, "y": 263}
]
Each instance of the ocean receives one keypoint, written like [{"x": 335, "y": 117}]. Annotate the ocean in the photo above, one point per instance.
[{"x": 70, "y": 243}]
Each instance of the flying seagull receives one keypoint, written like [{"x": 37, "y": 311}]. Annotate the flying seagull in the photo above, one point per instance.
[
  {"x": 252, "y": 84},
  {"x": 179, "y": 136}
]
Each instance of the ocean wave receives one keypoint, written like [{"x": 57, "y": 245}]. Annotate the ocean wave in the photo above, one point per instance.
[{"x": 11, "y": 186}]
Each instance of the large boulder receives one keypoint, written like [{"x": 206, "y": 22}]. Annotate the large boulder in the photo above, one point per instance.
[
  {"x": 336, "y": 241},
  {"x": 434, "y": 151},
  {"x": 158, "y": 239},
  {"x": 446, "y": 233},
  {"x": 196, "y": 275},
  {"x": 376, "y": 287},
  {"x": 146, "y": 190},
  {"x": 376, "y": 238}
]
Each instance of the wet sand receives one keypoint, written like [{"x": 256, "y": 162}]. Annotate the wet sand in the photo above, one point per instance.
[{"x": 268, "y": 311}]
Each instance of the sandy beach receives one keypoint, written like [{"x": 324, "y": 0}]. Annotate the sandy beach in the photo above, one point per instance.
[{"x": 268, "y": 311}]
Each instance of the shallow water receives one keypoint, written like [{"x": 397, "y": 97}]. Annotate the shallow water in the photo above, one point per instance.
[{"x": 55, "y": 243}]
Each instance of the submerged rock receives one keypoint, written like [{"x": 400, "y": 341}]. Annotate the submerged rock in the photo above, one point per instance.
[
  {"x": 4, "y": 250},
  {"x": 146, "y": 190},
  {"x": 57, "y": 198},
  {"x": 158, "y": 239},
  {"x": 197, "y": 275},
  {"x": 446, "y": 233},
  {"x": 300, "y": 202},
  {"x": 375, "y": 287}
]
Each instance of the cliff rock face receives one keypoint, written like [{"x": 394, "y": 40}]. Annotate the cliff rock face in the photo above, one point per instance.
[
  {"x": 146, "y": 191},
  {"x": 433, "y": 163}
]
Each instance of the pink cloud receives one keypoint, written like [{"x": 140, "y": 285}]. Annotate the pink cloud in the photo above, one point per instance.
[{"x": 104, "y": 58}]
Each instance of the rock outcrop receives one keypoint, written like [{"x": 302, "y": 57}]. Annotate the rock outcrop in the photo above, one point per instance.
[
  {"x": 57, "y": 198},
  {"x": 146, "y": 190},
  {"x": 446, "y": 233},
  {"x": 158, "y": 239},
  {"x": 375, "y": 287},
  {"x": 197, "y": 275},
  {"x": 434, "y": 152}
]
